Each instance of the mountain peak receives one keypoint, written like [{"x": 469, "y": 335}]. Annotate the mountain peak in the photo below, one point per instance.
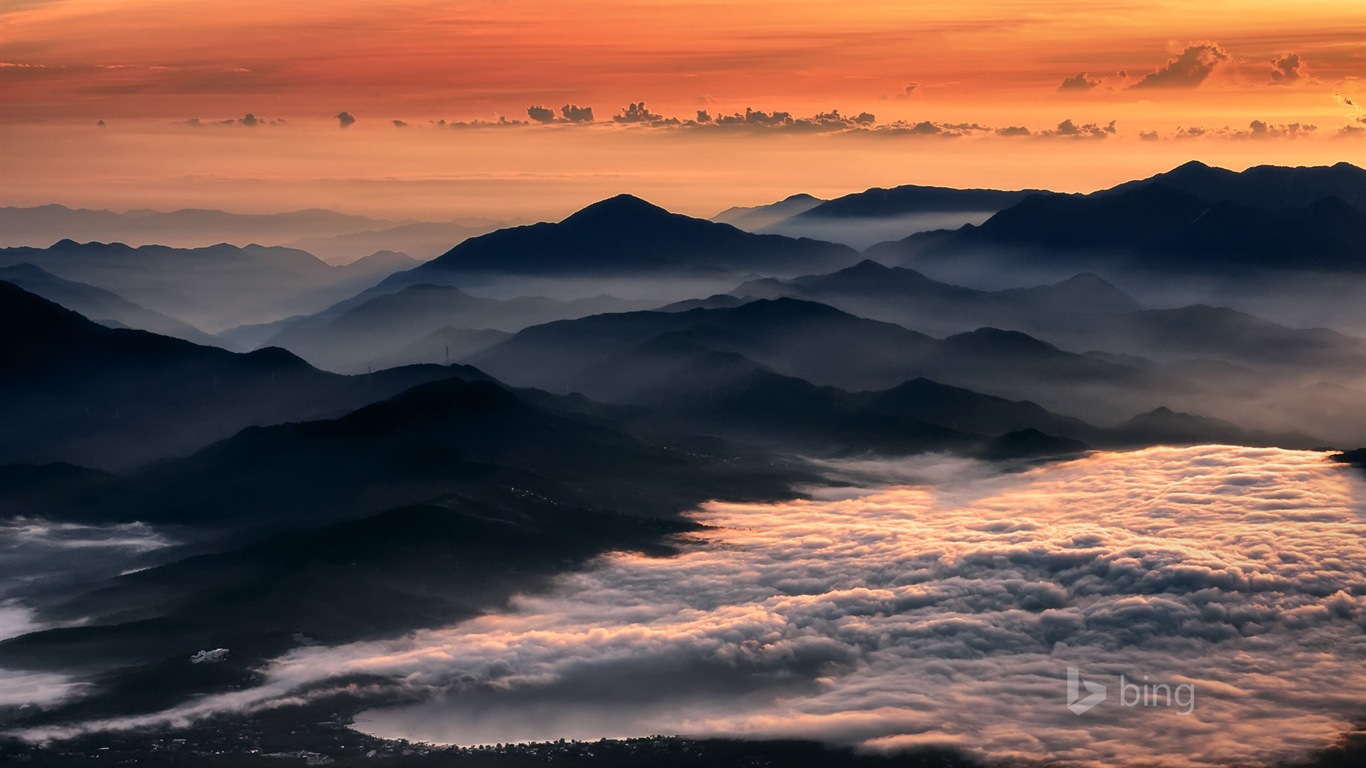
[{"x": 614, "y": 208}]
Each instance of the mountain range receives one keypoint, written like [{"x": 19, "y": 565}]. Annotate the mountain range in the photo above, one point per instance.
[
  {"x": 625, "y": 235},
  {"x": 210, "y": 288},
  {"x": 75, "y": 391},
  {"x": 1194, "y": 220},
  {"x": 579, "y": 394},
  {"x": 337, "y": 238}
]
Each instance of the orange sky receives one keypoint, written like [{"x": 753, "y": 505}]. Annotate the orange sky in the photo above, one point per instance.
[{"x": 1156, "y": 69}]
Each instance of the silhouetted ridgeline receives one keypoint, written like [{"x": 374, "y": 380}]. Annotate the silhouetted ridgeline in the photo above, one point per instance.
[{"x": 73, "y": 390}]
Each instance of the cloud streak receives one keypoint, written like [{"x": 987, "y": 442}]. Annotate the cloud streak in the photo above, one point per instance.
[{"x": 943, "y": 610}]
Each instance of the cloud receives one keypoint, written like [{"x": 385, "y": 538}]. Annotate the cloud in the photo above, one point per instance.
[
  {"x": 636, "y": 112},
  {"x": 569, "y": 113},
  {"x": 1014, "y": 130},
  {"x": 400, "y": 124},
  {"x": 1187, "y": 70},
  {"x": 250, "y": 120},
  {"x": 1286, "y": 69},
  {"x": 346, "y": 119},
  {"x": 1256, "y": 130},
  {"x": 944, "y": 610},
  {"x": 755, "y": 117},
  {"x": 1148, "y": 136},
  {"x": 1260, "y": 129},
  {"x": 1080, "y": 83},
  {"x": 576, "y": 114},
  {"x": 1068, "y": 129}
]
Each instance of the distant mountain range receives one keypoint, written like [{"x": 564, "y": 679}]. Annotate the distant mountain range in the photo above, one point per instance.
[
  {"x": 865, "y": 218},
  {"x": 756, "y": 218},
  {"x": 210, "y": 288},
  {"x": 332, "y": 236},
  {"x": 610, "y": 356},
  {"x": 1082, "y": 313}
]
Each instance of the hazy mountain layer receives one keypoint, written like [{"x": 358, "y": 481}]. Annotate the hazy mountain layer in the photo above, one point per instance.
[{"x": 213, "y": 287}]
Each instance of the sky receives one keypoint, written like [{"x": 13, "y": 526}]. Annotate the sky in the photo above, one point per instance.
[{"x": 416, "y": 109}]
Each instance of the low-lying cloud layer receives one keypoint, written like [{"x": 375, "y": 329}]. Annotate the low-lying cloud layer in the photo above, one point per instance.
[{"x": 945, "y": 611}]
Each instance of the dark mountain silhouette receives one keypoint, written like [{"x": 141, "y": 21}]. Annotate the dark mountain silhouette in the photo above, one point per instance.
[
  {"x": 1165, "y": 426},
  {"x": 626, "y": 235},
  {"x": 1355, "y": 457},
  {"x": 758, "y": 217},
  {"x": 1157, "y": 227},
  {"x": 1030, "y": 443},
  {"x": 468, "y": 437},
  {"x": 865, "y": 218},
  {"x": 100, "y": 305},
  {"x": 1269, "y": 187},
  {"x": 212, "y": 287},
  {"x": 350, "y": 337},
  {"x": 877, "y": 203},
  {"x": 73, "y": 390}
]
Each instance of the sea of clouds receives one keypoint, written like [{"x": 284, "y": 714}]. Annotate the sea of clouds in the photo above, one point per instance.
[{"x": 943, "y": 609}]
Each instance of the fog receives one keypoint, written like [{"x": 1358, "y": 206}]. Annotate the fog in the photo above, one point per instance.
[
  {"x": 929, "y": 600},
  {"x": 40, "y": 552},
  {"x": 863, "y": 232}
]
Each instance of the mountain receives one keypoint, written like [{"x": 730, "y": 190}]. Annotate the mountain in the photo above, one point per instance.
[
  {"x": 440, "y": 346},
  {"x": 413, "y": 567},
  {"x": 880, "y": 203},
  {"x": 1155, "y": 227},
  {"x": 212, "y": 287},
  {"x": 1083, "y": 312},
  {"x": 907, "y": 297},
  {"x": 102, "y": 306},
  {"x": 73, "y": 390},
  {"x": 625, "y": 235},
  {"x": 1269, "y": 187},
  {"x": 1165, "y": 426},
  {"x": 426, "y": 508},
  {"x": 606, "y": 356},
  {"x": 758, "y": 217},
  {"x": 876, "y": 215},
  {"x": 353, "y": 337}
]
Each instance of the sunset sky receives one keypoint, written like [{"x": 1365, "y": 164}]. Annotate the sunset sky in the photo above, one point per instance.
[{"x": 1006, "y": 94}]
